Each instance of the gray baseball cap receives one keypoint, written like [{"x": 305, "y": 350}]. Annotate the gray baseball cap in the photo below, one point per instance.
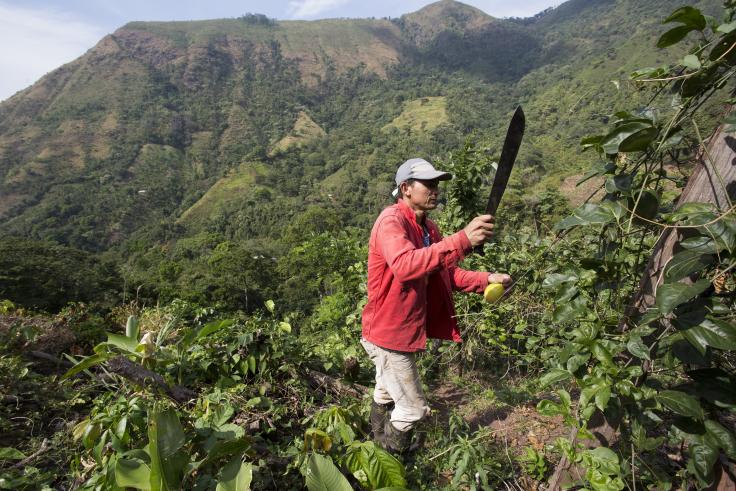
[{"x": 418, "y": 169}]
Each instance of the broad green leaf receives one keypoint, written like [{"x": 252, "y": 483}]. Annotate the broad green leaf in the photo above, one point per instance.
[
  {"x": 123, "y": 342},
  {"x": 570, "y": 310},
  {"x": 715, "y": 333},
  {"x": 377, "y": 467},
  {"x": 692, "y": 214},
  {"x": 605, "y": 460},
  {"x": 726, "y": 27},
  {"x": 132, "y": 473},
  {"x": 213, "y": 327},
  {"x": 685, "y": 263},
  {"x": 588, "y": 214},
  {"x": 647, "y": 206},
  {"x": 86, "y": 363},
  {"x": 601, "y": 353},
  {"x": 170, "y": 435},
  {"x": 121, "y": 427},
  {"x": 132, "y": 328},
  {"x": 553, "y": 376},
  {"x": 614, "y": 141},
  {"x": 671, "y": 295},
  {"x": 681, "y": 403},
  {"x": 10, "y": 453},
  {"x": 695, "y": 341},
  {"x": 715, "y": 386},
  {"x": 637, "y": 348},
  {"x": 235, "y": 476},
  {"x": 725, "y": 438},
  {"x": 689, "y": 16},
  {"x": 165, "y": 437},
  {"x": 687, "y": 352},
  {"x": 692, "y": 62},
  {"x": 602, "y": 397},
  {"x": 637, "y": 141},
  {"x": 702, "y": 459},
  {"x": 620, "y": 183},
  {"x": 229, "y": 447},
  {"x": 321, "y": 474},
  {"x": 549, "y": 408},
  {"x": 554, "y": 280},
  {"x": 673, "y": 36},
  {"x": 576, "y": 361}
]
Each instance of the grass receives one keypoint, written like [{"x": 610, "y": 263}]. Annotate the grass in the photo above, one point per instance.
[
  {"x": 421, "y": 115},
  {"x": 305, "y": 130},
  {"x": 225, "y": 193}
]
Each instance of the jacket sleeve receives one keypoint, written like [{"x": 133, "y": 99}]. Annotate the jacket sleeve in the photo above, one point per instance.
[
  {"x": 468, "y": 281},
  {"x": 407, "y": 262}
]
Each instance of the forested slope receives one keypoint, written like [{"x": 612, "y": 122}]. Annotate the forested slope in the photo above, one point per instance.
[{"x": 132, "y": 144}]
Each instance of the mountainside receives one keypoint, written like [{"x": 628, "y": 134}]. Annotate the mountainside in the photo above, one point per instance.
[{"x": 147, "y": 129}]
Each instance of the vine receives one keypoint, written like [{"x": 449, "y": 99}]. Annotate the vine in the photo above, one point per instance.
[{"x": 664, "y": 375}]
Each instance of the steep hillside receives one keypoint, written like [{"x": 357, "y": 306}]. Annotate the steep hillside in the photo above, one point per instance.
[{"x": 130, "y": 137}]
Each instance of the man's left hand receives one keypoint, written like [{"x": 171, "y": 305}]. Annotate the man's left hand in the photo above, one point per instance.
[{"x": 502, "y": 278}]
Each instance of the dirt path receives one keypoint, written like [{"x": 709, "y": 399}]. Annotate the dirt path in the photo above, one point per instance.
[{"x": 510, "y": 414}]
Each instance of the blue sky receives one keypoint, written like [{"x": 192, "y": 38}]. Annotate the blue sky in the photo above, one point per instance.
[{"x": 40, "y": 35}]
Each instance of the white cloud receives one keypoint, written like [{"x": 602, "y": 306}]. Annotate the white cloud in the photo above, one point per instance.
[
  {"x": 36, "y": 41},
  {"x": 299, "y": 9}
]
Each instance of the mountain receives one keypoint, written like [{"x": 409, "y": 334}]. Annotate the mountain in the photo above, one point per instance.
[{"x": 239, "y": 127}]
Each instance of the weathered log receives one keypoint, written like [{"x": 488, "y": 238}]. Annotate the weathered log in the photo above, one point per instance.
[
  {"x": 713, "y": 181},
  {"x": 40, "y": 355},
  {"x": 322, "y": 380},
  {"x": 134, "y": 372}
]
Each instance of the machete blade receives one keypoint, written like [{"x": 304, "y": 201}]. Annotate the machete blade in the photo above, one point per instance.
[{"x": 508, "y": 156}]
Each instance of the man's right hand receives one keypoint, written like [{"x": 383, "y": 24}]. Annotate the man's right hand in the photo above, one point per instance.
[{"x": 480, "y": 230}]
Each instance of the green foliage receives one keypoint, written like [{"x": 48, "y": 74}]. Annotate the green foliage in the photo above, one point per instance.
[
  {"x": 611, "y": 366},
  {"x": 258, "y": 257},
  {"x": 321, "y": 474},
  {"x": 45, "y": 276},
  {"x": 534, "y": 463}
]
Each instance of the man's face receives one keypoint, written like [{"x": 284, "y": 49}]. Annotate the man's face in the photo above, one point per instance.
[{"x": 422, "y": 194}]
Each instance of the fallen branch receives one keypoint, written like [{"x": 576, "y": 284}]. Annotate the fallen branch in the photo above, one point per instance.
[
  {"x": 40, "y": 355},
  {"x": 44, "y": 446},
  {"x": 134, "y": 372},
  {"x": 319, "y": 380}
]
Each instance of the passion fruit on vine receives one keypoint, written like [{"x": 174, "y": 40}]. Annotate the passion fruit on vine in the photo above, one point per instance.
[{"x": 493, "y": 292}]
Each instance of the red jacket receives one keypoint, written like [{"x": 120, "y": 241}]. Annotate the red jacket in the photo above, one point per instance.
[{"x": 410, "y": 286}]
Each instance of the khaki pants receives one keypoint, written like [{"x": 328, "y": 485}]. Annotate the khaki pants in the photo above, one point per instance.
[{"x": 397, "y": 381}]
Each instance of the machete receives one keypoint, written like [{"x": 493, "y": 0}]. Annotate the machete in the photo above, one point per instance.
[{"x": 508, "y": 156}]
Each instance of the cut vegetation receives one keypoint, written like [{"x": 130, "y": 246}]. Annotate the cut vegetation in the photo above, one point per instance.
[
  {"x": 421, "y": 115},
  {"x": 305, "y": 131}
]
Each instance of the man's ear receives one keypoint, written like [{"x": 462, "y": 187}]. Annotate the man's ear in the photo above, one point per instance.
[{"x": 403, "y": 187}]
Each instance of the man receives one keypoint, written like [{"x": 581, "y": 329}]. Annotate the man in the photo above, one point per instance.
[{"x": 412, "y": 271}]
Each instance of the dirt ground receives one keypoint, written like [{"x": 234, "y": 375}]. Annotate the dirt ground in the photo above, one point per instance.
[
  {"x": 35, "y": 334},
  {"x": 512, "y": 417}
]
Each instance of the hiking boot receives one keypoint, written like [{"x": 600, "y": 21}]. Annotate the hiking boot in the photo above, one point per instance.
[
  {"x": 394, "y": 440},
  {"x": 379, "y": 415}
]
